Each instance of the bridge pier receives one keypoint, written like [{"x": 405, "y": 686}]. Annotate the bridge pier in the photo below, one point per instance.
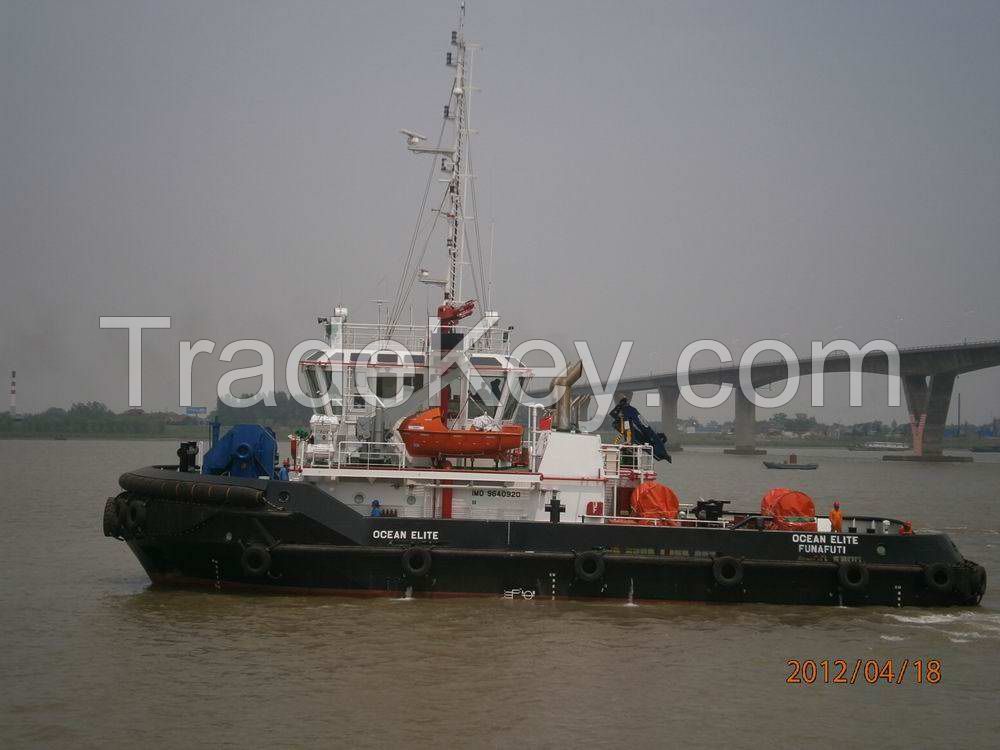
[
  {"x": 928, "y": 400},
  {"x": 669, "y": 396},
  {"x": 746, "y": 426}
]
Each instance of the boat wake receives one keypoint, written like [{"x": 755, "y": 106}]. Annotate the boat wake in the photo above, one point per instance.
[
  {"x": 976, "y": 626},
  {"x": 944, "y": 618}
]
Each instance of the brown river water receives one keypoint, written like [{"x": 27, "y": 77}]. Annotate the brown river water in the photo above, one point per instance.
[{"x": 93, "y": 657}]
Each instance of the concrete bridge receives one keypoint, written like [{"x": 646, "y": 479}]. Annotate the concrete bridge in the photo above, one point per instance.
[{"x": 927, "y": 373}]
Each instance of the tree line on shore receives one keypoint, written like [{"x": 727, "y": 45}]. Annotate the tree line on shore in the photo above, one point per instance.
[{"x": 95, "y": 418}]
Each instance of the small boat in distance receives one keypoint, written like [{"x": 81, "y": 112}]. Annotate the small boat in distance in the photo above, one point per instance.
[
  {"x": 791, "y": 463},
  {"x": 878, "y": 446},
  {"x": 985, "y": 449}
]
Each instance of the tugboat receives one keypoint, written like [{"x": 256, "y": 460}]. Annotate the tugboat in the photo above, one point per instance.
[{"x": 456, "y": 490}]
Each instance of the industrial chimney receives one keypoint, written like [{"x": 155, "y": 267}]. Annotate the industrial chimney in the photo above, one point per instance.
[{"x": 13, "y": 394}]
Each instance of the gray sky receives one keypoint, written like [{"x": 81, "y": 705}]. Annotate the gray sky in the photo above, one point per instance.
[{"x": 664, "y": 171}]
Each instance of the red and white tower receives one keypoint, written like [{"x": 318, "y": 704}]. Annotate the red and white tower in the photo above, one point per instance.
[{"x": 13, "y": 393}]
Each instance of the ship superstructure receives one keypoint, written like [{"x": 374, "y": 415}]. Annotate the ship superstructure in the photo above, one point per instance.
[{"x": 471, "y": 458}]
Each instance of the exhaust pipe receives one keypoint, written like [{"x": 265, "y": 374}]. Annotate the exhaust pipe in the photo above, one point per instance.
[
  {"x": 580, "y": 405},
  {"x": 563, "y": 418}
]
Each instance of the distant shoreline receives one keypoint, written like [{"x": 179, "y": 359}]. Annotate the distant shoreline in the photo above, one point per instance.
[
  {"x": 100, "y": 436},
  {"x": 687, "y": 439},
  {"x": 173, "y": 435}
]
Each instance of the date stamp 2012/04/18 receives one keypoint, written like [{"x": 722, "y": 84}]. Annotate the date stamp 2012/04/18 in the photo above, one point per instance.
[{"x": 865, "y": 671}]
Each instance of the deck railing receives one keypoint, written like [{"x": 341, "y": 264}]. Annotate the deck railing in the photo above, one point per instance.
[
  {"x": 640, "y": 521},
  {"x": 358, "y": 453},
  {"x": 354, "y": 454},
  {"x": 620, "y": 459},
  {"x": 414, "y": 337}
]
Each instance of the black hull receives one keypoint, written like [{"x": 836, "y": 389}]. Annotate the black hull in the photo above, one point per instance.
[{"x": 238, "y": 534}]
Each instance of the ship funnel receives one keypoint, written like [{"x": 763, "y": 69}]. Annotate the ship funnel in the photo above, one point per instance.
[
  {"x": 580, "y": 405},
  {"x": 561, "y": 385}
]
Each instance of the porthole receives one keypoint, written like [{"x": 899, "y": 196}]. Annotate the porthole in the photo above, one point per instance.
[
  {"x": 411, "y": 499},
  {"x": 358, "y": 499}
]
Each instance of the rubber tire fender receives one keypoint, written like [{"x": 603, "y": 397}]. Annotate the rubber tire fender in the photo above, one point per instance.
[
  {"x": 939, "y": 577},
  {"x": 721, "y": 566},
  {"x": 135, "y": 514},
  {"x": 416, "y": 562},
  {"x": 589, "y": 566},
  {"x": 121, "y": 508},
  {"x": 256, "y": 560},
  {"x": 853, "y": 575},
  {"x": 112, "y": 527},
  {"x": 980, "y": 580},
  {"x": 978, "y": 583}
]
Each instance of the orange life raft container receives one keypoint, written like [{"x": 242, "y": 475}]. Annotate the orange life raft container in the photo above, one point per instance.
[
  {"x": 790, "y": 510},
  {"x": 426, "y": 435},
  {"x": 652, "y": 504}
]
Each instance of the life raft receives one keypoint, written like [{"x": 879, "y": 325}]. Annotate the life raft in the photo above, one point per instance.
[
  {"x": 650, "y": 504},
  {"x": 426, "y": 435},
  {"x": 789, "y": 510}
]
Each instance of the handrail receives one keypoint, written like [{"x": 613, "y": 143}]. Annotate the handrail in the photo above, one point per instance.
[
  {"x": 371, "y": 453},
  {"x": 671, "y": 522},
  {"x": 414, "y": 336}
]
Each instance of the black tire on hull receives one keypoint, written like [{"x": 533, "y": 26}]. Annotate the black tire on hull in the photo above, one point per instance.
[
  {"x": 978, "y": 583},
  {"x": 121, "y": 509},
  {"x": 417, "y": 562},
  {"x": 727, "y": 571},
  {"x": 940, "y": 577},
  {"x": 256, "y": 560},
  {"x": 135, "y": 515},
  {"x": 589, "y": 566},
  {"x": 853, "y": 576},
  {"x": 112, "y": 527}
]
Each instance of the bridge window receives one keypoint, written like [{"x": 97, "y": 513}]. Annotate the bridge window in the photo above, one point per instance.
[
  {"x": 386, "y": 386},
  {"x": 485, "y": 362},
  {"x": 416, "y": 382}
]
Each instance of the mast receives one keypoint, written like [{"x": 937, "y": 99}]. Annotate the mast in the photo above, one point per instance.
[
  {"x": 455, "y": 162},
  {"x": 456, "y": 187}
]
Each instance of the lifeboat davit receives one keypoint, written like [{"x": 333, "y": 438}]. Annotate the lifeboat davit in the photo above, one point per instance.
[{"x": 426, "y": 435}]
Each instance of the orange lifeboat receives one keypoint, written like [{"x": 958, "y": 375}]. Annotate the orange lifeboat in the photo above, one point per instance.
[{"x": 426, "y": 435}]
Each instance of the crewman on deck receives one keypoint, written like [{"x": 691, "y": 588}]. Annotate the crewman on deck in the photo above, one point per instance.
[
  {"x": 836, "y": 519},
  {"x": 283, "y": 471},
  {"x": 376, "y": 509}
]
